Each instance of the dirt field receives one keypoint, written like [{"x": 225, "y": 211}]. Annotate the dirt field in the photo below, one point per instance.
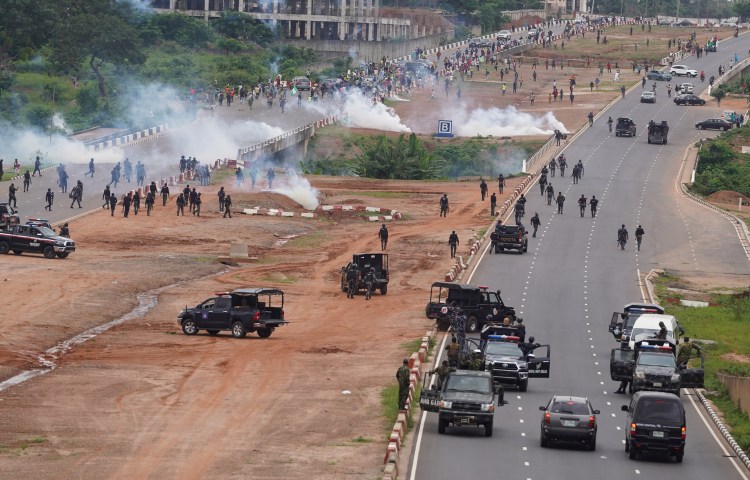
[{"x": 145, "y": 401}]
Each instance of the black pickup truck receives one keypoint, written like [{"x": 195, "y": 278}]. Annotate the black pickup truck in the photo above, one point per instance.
[
  {"x": 364, "y": 262},
  {"x": 512, "y": 237},
  {"x": 476, "y": 301},
  {"x": 241, "y": 311},
  {"x": 467, "y": 398},
  {"x": 35, "y": 239}
]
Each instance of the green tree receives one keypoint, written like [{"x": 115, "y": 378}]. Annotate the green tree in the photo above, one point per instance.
[
  {"x": 100, "y": 39},
  {"x": 742, "y": 8},
  {"x": 718, "y": 93},
  {"x": 398, "y": 159},
  {"x": 230, "y": 45},
  {"x": 188, "y": 31},
  {"x": 27, "y": 23}
]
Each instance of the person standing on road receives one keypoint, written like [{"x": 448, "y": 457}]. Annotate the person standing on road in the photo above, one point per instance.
[
  {"x": 639, "y": 236},
  {"x": 12, "y": 195},
  {"x": 444, "y": 205},
  {"x": 351, "y": 280},
  {"x": 535, "y": 222},
  {"x": 221, "y": 195},
  {"x": 560, "y": 202},
  {"x": 402, "y": 375},
  {"x": 228, "y": 206},
  {"x": 550, "y": 193},
  {"x": 383, "y": 235},
  {"x": 453, "y": 242},
  {"x": 26, "y": 181},
  {"x": 483, "y": 188},
  {"x": 593, "y": 203},
  {"x": 49, "y": 198},
  {"x": 270, "y": 175},
  {"x": 493, "y": 204},
  {"x": 91, "y": 169},
  {"x": 37, "y": 167},
  {"x": 112, "y": 203},
  {"x": 164, "y": 194},
  {"x": 500, "y": 183},
  {"x": 553, "y": 166},
  {"x": 369, "y": 280},
  {"x": 582, "y": 205},
  {"x": 609, "y": 124},
  {"x": 591, "y": 119}
]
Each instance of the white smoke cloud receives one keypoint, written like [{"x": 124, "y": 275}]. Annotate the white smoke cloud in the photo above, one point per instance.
[
  {"x": 26, "y": 145},
  {"x": 298, "y": 188},
  {"x": 504, "y": 122},
  {"x": 359, "y": 111}
]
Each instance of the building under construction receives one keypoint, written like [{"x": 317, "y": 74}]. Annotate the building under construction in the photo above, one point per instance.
[{"x": 353, "y": 20}]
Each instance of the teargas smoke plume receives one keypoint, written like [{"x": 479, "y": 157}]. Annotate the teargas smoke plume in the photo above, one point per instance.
[
  {"x": 25, "y": 145},
  {"x": 298, "y": 189},
  {"x": 504, "y": 122},
  {"x": 358, "y": 111}
]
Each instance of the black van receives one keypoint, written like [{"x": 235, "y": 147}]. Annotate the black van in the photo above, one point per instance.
[{"x": 656, "y": 424}]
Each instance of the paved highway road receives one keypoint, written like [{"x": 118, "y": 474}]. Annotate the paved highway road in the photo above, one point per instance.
[
  {"x": 204, "y": 139},
  {"x": 570, "y": 282}
]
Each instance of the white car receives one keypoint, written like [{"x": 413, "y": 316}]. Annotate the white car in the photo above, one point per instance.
[
  {"x": 504, "y": 35},
  {"x": 682, "y": 71},
  {"x": 533, "y": 32},
  {"x": 685, "y": 88},
  {"x": 727, "y": 23},
  {"x": 648, "y": 97}
]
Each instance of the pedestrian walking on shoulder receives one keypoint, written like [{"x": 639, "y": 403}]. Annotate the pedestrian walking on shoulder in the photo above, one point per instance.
[
  {"x": 535, "y": 222},
  {"x": 500, "y": 182},
  {"x": 180, "y": 205},
  {"x": 483, "y": 188},
  {"x": 112, "y": 204},
  {"x": 221, "y": 195},
  {"x": 493, "y": 203},
  {"x": 164, "y": 194},
  {"x": 149, "y": 203},
  {"x": 91, "y": 169},
  {"x": 453, "y": 242},
  {"x": 444, "y": 205},
  {"x": 197, "y": 205},
  {"x": 402, "y": 375},
  {"x": 383, "y": 235},
  {"x": 228, "y": 206},
  {"x": 49, "y": 198}
]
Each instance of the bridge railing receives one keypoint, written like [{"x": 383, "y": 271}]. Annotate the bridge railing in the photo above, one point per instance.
[{"x": 280, "y": 138}]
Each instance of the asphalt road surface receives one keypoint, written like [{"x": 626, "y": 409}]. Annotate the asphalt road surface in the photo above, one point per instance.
[
  {"x": 160, "y": 155},
  {"x": 572, "y": 279}
]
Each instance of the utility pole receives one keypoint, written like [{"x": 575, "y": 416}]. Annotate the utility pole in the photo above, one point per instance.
[{"x": 677, "y": 13}]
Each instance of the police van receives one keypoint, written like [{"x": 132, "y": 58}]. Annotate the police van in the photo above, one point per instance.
[
  {"x": 508, "y": 365},
  {"x": 647, "y": 326}
]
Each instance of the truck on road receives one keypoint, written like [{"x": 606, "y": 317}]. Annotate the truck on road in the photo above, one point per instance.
[
  {"x": 476, "y": 301},
  {"x": 657, "y": 132},
  {"x": 364, "y": 262},
  {"x": 465, "y": 398}
]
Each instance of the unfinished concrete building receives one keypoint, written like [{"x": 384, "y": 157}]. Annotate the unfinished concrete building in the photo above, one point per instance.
[{"x": 354, "y": 20}]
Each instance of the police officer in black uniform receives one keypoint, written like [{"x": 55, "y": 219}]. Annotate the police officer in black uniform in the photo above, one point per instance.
[
  {"x": 453, "y": 242},
  {"x": 383, "y": 235}
]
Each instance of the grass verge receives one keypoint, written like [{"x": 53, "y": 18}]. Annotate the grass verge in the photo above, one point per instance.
[{"x": 726, "y": 321}]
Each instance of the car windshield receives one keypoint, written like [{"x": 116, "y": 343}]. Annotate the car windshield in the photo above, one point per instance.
[
  {"x": 658, "y": 410},
  {"x": 656, "y": 360},
  {"x": 571, "y": 408},
  {"x": 47, "y": 232},
  {"x": 468, "y": 383},
  {"x": 642, "y": 333},
  {"x": 503, "y": 348}
]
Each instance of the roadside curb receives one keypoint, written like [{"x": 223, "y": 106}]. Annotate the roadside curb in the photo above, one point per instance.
[
  {"x": 417, "y": 361},
  {"x": 699, "y": 393}
]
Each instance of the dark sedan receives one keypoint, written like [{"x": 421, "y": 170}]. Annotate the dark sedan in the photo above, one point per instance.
[
  {"x": 689, "y": 100},
  {"x": 714, "y": 124},
  {"x": 569, "y": 419},
  {"x": 657, "y": 75}
]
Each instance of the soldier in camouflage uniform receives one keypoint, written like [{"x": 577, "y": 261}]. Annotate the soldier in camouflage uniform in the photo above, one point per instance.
[
  {"x": 684, "y": 351},
  {"x": 441, "y": 372},
  {"x": 402, "y": 375},
  {"x": 453, "y": 351}
]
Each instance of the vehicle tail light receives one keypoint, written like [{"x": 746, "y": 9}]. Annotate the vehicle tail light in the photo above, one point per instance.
[
  {"x": 592, "y": 421},
  {"x": 683, "y": 433},
  {"x": 547, "y": 417},
  {"x": 256, "y": 317},
  {"x": 632, "y": 428}
]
